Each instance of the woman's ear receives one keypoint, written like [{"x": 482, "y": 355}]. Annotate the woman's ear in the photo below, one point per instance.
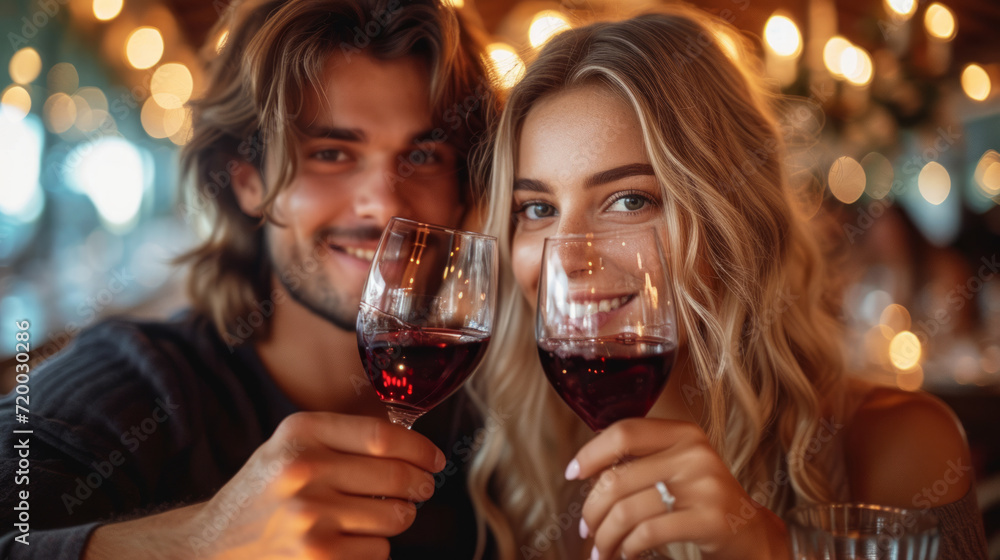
[{"x": 248, "y": 187}]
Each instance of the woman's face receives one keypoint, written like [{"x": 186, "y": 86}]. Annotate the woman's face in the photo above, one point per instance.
[{"x": 582, "y": 167}]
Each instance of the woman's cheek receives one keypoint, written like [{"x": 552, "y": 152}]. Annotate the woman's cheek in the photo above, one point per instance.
[{"x": 526, "y": 254}]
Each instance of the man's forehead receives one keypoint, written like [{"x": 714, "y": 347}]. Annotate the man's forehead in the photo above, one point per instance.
[{"x": 368, "y": 94}]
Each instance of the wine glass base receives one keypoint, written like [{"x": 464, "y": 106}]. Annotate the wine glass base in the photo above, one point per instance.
[{"x": 403, "y": 417}]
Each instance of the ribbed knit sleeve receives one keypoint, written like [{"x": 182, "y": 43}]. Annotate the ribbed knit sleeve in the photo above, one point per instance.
[{"x": 961, "y": 525}]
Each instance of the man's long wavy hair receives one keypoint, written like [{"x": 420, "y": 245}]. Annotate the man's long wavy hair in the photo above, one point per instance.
[
  {"x": 274, "y": 55},
  {"x": 748, "y": 278}
]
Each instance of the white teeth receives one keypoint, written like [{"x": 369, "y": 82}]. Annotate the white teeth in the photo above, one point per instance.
[
  {"x": 365, "y": 254},
  {"x": 577, "y": 310}
]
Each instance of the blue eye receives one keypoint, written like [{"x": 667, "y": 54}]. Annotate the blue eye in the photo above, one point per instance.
[
  {"x": 631, "y": 202},
  {"x": 536, "y": 210}
]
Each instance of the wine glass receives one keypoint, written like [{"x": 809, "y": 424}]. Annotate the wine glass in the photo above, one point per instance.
[
  {"x": 427, "y": 314},
  {"x": 849, "y": 531},
  {"x": 605, "y": 323}
]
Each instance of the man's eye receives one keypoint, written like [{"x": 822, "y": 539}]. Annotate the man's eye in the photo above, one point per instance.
[
  {"x": 330, "y": 155},
  {"x": 423, "y": 157}
]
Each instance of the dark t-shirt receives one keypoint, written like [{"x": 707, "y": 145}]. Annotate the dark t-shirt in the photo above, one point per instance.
[{"x": 135, "y": 418}]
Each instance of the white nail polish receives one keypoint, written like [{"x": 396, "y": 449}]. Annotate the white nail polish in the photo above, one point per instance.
[
  {"x": 584, "y": 531},
  {"x": 572, "y": 470}
]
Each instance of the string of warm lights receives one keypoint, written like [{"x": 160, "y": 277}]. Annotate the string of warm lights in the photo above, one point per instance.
[{"x": 78, "y": 113}]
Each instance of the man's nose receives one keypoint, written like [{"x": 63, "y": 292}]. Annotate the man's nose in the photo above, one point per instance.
[{"x": 377, "y": 196}]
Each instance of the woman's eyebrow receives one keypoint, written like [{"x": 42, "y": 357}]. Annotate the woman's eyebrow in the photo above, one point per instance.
[
  {"x": 616, "y": 173},
  {"x": 599, "y": 178},
  {"x": 533, "y": 185}
]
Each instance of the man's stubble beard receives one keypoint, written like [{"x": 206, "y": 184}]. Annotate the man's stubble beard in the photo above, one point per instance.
[{"x": 314, "y": 291}]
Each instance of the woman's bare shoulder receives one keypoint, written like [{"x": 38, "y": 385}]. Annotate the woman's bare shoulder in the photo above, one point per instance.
[{"x": 906, "y": 449}]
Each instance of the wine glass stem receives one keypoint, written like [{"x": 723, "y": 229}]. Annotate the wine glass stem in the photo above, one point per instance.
[{"x": 404, "y": 418}]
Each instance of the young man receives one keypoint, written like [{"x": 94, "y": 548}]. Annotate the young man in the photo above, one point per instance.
[{"x": 245, "y": 427}]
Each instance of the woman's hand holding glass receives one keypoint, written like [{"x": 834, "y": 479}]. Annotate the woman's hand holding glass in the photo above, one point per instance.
[
  {"x": 627, "y": 514},
  {"x": 607, "y": 336}
]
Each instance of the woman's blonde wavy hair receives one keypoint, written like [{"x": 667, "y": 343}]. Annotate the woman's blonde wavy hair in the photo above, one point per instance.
[
  {"x": 274, "y": 54},
  {"x": 748, "y": 278}
]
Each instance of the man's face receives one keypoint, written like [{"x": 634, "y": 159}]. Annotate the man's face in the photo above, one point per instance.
[{"x": 368, "y": 153}]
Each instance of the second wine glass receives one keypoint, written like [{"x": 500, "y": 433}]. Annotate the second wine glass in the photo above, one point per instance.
[
  {"x": 605, "y": 323},
  {"x": 427, "y": 314}
]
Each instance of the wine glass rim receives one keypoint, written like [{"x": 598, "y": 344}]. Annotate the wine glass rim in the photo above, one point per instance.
[
  {"x": 929, "y": 518},
  {"x": 437, "y": 227},
  {"x": 628, "y": 231}
]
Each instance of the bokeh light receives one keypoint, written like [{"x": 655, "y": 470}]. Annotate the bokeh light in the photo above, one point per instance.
[
  {"x": 63, "y": 77},
  {"x": 16, "y": 102},
  {"x": 106, "y": 10},
  {"x": 144, "y": 47},
  {"x": 183, "y": 134},
  {"x": 25, "y": 66},
  {"x": 976, "y": 82},
  {"x": 833, "y": 51},
  {"x": 171, "y": 85},
  {"x": 159, "y": 122},
  {"x": 545, "y": 25},
  {"x": 987, "y": 174},
  {"x": 896, "y": 318},
  {"x": 879, "y": 175},
  {"x": 934, "y": 183},
  {"x": 454, "y": 3},
  {"x": 21, "y": 142},
  {"x": 856, "y": 65},
  {"x": 505, "y": 64},
  {"x": 59, "y": 112},
  {"x": 902, "y": 9},
  {"x": 940, "y": 22},
  {"x": 904, "y": 350},
  {"x": 910, "y": 380},
  {"x": 846, "y": 179},
  {"x": 110, "y": 171},
  {"x": 782, "y": 36}
]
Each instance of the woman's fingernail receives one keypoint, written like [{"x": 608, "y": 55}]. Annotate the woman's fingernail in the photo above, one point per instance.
[
  {"x": 594, "y": 555},
  {"x": 584, "y": 531},
  {"x": 572, "y": 470}
]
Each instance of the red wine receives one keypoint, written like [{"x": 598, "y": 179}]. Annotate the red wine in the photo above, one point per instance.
[
  {"x": 607, "y": 379},
  {"x": 419, "y": 368}
]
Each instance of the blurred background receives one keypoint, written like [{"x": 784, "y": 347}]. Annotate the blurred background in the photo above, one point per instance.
[{"x": 893, "y": 114}]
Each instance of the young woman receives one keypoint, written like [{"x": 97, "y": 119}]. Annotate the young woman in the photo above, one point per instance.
[{"x": 648, "y": 122}]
